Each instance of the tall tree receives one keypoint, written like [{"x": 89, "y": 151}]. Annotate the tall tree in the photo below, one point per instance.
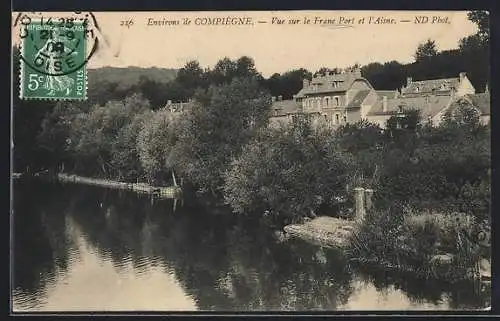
[
  {"x": 223, "y": 72},
  {"x": 245, "y": 67},
  {"x": 479, "y": 40},
  {"x": 28, "y": 116},
  {"x": 190, "y": 77},
  {"x": 288, "y": 83},
  {"x": 482, "y": 19},
  {"x": 222, "y": 121},
  {"x": 426, "y": 50}
]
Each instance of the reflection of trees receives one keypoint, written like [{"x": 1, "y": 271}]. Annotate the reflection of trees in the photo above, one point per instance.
[
  {"x": 41, "y": 245},
  {"x": 270, "y": 276},
  {"x": 461, "y": 295},
  {"x": 466, "y": 295},
  {"x": 220, "y": 263},
  {"x": 110, "y": 223}
]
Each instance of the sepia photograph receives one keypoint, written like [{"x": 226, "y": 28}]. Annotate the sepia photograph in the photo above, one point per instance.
[{"x": 250, "y": 161}]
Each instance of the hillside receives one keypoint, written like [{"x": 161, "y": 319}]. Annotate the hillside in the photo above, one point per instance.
[{"x": 129, "y": 76}]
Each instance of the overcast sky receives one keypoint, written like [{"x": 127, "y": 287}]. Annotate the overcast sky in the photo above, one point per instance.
[{"x": 275, "y": 48}]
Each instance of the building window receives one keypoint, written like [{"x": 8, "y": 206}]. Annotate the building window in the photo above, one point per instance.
[
  {"x": 337, "y": 101},
  {"x": 327, "y": 101},
  {"x": 345, "y": 119},
  {"x": 337, "y": 119},
  {"x": 400, "y": 109}
]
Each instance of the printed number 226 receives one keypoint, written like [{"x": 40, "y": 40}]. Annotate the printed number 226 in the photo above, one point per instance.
[{"x": 34, "y": 82}]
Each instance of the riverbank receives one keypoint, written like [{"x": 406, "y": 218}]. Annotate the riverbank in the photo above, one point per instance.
[
  {"x": 324, "y": 230},
  {"x": 162, "y": 191},
  {"x": 338, "y": 233}
]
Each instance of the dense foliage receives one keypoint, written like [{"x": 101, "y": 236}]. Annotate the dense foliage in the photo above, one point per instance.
[
  {"x": 224, "y": 148},
  {"x": 223, "y": 120},
  {"x": 429, "y": 245},
  {"x": 290, "y": 171},
  {"x": 159, "y": 85}
]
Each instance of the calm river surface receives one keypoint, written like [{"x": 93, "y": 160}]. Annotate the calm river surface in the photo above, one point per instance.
[{"x": 80, "y": 248}]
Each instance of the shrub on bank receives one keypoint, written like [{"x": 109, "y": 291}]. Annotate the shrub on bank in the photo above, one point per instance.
[
  {"x": 429, "y": 244},
  {"x": 290, "y": 171}
]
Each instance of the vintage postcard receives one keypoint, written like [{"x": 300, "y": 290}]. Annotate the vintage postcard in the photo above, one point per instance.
[{"x": 251, "y": 161}]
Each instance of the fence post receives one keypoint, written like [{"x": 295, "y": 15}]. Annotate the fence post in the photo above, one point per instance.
[
  {"x": 359, "y": 194},
  {"x": 368, "y": 198}
]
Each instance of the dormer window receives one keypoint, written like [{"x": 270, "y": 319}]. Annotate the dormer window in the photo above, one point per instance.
[
  {"x": 444, "y": 86},
  {"x": 400, "y": 109},
  {"x": 417, "y": 89}
]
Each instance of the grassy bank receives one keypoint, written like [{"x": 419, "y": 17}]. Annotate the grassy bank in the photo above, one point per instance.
[
  {"x": 447, "y": 247},
  {"x": 444, "y": 246}
]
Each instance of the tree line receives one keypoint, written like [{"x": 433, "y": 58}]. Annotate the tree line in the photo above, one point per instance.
[
  {"x": 224, "y": 148},
  {"x": 131, "y": 137}
]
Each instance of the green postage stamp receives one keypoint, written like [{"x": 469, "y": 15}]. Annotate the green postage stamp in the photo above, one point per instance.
[{"x": 53, "y": 60}]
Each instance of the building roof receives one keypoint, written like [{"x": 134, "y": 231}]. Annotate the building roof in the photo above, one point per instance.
[
  {"x": 390, "y": 94},
  {"x": 180, "y": 106},
  {"x": 285, "y": 107},
  {"x": 429, "y": 106},
  {"x": 428, "y": 86},
  {"x": 358, "y": 99},
  {"x": 323, "y": 84}
]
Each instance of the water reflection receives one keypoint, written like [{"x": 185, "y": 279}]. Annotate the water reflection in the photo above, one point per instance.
[{"x": 84, "y": 248}]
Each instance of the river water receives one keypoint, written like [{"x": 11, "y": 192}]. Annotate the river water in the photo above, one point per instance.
[{"x": 81, "y": 248}]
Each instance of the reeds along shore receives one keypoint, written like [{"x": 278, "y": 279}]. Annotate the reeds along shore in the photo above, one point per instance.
[{"x": 170, "y": 191}]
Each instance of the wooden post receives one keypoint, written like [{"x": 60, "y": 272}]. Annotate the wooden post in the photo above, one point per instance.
[
  {"x": 359, "y": 194},
  {"x": 368, "y": 198},
  {"x": 173, "y": 177}
]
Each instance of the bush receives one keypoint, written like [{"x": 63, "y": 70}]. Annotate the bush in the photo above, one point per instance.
[
  {"x": 405, "y": 239},
  {"x": 155, "y": 142},
  {"x": 223, "y": 120},
  {"x": 290, "y": 171}
]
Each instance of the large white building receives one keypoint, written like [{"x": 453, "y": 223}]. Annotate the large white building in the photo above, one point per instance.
[{"x": 348, "y": 97}]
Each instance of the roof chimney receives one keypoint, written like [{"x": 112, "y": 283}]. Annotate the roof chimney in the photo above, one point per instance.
[
  {"x": 305, "y": 83},
  {"x": 384, "y": 103},
  {"x": 462, "y": 76},
  {"x": 273, "y": 99},
  {"x": 169, "y": 102},
  {"x": 409, "y": 80},
  {"x": 280, "y": 97},
  {"x": 487, "y": 89},
  {"x": 357, "y": 72}
]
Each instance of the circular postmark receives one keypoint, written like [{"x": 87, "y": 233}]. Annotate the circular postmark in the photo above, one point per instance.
[{"x": 57, "y": 44}]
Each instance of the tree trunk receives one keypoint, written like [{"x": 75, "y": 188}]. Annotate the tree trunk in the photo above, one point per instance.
[{"x": 173, "y": 178}]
